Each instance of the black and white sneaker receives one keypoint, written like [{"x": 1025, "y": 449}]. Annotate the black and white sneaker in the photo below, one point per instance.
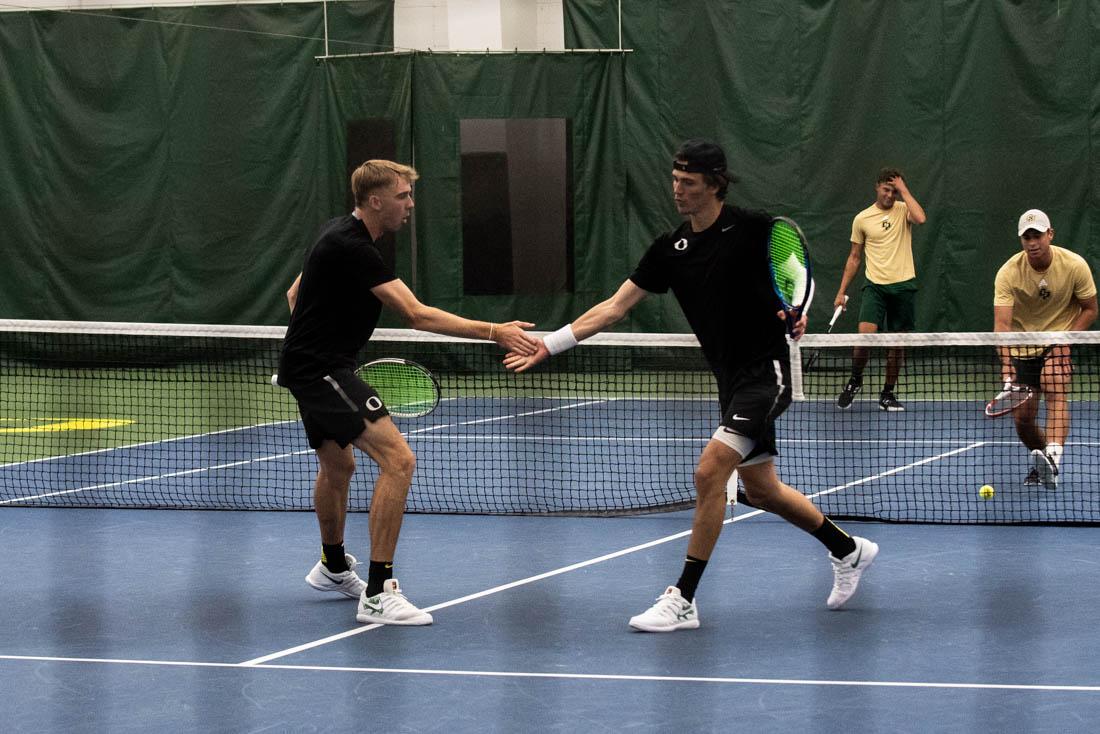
[
  {"x": 888, "y": 401},
  {"x": 848, "y": 394}
]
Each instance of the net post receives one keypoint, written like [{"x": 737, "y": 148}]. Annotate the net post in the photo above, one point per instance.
[{"x": 796, "y": 370}]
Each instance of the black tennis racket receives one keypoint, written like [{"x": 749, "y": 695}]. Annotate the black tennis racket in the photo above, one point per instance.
[
  {"x": 1010, "y": 398},
  {"x": 832, "y": 322},
  {"x": 408, "y": 389},
  {"x": 789, "y": 261}
]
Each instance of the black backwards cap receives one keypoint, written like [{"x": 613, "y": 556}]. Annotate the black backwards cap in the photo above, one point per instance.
[{"x": 701, "y": 156}]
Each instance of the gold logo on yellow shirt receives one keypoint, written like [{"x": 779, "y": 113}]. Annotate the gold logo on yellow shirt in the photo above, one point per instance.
[
  {"x": 886, "y": 223},
  {"x": 1044, "y": 289}
]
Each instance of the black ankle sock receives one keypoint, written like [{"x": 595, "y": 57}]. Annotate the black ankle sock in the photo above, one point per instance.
[
  {"x": 836, "y": 540},
  {"x": 888, "y": 387},
  {"x": 378, "y": 573},
  {"x": 689, "y": 579},
  {"x": 332, "y": 556}
]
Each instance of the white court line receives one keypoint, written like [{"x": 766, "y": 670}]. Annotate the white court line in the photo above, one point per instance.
[
  {"x": 420, "y": 434},
  {"x": 279, "y": 423},
  {"x": 168, "y": 475},
  {"x": 593, "y": 561},
  {"x": 242, "y": 462},
  {"x": 1070, "y": 688},
  {"x": 704, "y": 439},
  {"x": 510, "y": 416}
]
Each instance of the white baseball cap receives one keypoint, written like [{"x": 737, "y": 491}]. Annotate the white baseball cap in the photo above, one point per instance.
[{"x": 1033, "y": 219}]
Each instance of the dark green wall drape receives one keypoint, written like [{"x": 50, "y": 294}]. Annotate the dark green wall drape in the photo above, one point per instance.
[{"x": 156, "y": 168}]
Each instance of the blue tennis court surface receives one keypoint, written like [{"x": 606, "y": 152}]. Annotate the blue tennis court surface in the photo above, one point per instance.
[
  {"x": 555, "y": 455},
  {"x": 144, "y": 620},
  {"x": 129, "y": 620}
]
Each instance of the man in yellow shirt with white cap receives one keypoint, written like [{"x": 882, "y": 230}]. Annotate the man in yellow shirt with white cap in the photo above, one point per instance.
[{"x": 1042, "y": 288}]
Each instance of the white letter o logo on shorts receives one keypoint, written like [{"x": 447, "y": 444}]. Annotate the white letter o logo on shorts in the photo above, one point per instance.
[{"x": 374, "y": 403}]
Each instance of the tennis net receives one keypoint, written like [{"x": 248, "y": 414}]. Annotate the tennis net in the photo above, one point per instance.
[{"x": 142, "y": 415}]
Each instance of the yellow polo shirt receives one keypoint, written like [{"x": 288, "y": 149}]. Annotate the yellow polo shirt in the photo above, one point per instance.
[
  {"x": 887, "y": 239},
  {"x": 1047, "y": 300}
]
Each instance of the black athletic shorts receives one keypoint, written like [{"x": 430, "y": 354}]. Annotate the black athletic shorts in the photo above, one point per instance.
[
  {"x": 335, "y": 406},
  {"x": 1029, "y": 370},
  {"x": 755, "y": 397}
]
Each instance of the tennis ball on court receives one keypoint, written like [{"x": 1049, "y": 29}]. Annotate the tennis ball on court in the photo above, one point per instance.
[{"x": 986, "y": 492}]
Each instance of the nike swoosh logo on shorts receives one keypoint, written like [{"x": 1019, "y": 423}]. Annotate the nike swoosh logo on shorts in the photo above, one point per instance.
[
  {"x": 736, "y": 417},
  {"x": 727, "y": 229}
]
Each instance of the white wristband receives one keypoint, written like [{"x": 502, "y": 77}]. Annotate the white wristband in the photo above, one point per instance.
[{"x": 560, "y": 340}]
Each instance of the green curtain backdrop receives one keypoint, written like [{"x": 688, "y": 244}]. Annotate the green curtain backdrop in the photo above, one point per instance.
[
  {"x": 167, "y": 164},
  {"x": 157, "y": 166},
  {"x": 989, "y": 107}
]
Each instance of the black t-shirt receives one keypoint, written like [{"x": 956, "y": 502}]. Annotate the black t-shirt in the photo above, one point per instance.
[
  {"x": 721, "y": 279},
  {"x": 335, "y": 313}
]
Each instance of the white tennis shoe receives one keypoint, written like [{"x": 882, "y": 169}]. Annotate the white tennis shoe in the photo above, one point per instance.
[
  {"x": 1045, "y": 468},
  {"x": 390, "y": 607},
  {"x": 848, "y": 570},
  {"x": 347, "y": 583},
  {"x": 671, "y": 612}
]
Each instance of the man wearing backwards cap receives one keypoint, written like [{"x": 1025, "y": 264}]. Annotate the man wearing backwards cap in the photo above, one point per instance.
[
  {"x": 715, "y": 263},
  {"x": 1043, "y": 288}
]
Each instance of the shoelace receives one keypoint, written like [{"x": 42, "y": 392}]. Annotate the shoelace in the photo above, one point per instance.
[
  {"x": 395, "y": 598},
  {"x": 844, "y": 577},
  {"x": 667, "y": 606}
]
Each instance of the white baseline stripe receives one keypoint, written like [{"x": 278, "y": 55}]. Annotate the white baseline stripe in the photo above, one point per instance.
[
  {"x": 590, "y": 562},
  {"x": 571, "y": 676}
]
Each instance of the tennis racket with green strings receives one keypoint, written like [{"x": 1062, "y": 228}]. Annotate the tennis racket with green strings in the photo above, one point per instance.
[
  {"x": 789, "y": 261},
  {"x": 408, "y": 389}
]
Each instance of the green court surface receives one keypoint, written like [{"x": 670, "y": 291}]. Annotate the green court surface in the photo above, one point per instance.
[{"x": 61, "y": 412}]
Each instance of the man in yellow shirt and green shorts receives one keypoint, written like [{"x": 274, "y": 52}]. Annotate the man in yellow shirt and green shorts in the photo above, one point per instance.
[
  {"x": 1043, "y": 288},
  {"x": 884, "y": 231}
]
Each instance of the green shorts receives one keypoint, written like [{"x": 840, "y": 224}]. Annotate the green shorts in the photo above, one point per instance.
[{"x": 891, "y": 307}]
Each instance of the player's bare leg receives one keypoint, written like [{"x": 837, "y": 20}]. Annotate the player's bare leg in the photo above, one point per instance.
[
  {"x": 335, "y": 572},
  {"x": 330, "y": 490},
  {"x": 382, "y": 601},
  {"x": 1055, "y": 381},
  {"x": 1028, "y": 429},
  {"x": 675, "y": 609},
  {"x": 1056, "y": 378},
  {"x": 396, "y": 462},
  {"x": 764, "y": 490},
  {"x": 849, "y": 555},
  {"x": 860, "y": 355},
  {"x": 713, "y": 470}
]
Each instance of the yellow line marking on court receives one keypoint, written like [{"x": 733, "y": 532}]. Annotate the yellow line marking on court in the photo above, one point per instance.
[{"x": 56, "y": 425}]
